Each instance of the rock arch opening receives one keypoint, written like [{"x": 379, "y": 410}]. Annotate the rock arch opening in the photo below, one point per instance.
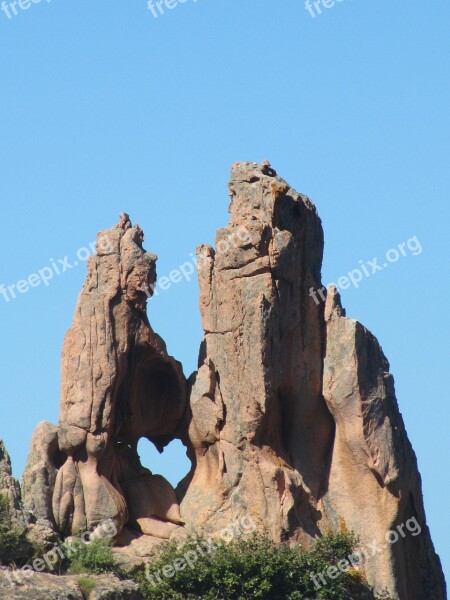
[{"x": 173, "y": 463}]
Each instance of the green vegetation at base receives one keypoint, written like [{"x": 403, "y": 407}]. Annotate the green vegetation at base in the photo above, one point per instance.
[
  {"x": 247, "y": 568},
  {"x": 95, "y": 557},
  {"x": 15, "y": 548},
  {"x": 86, "y": 585},
  {"x": 251, "y": 568}
]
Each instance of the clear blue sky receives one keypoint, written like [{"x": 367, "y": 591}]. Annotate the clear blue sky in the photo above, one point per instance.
[{"x": 107, "y": 108}]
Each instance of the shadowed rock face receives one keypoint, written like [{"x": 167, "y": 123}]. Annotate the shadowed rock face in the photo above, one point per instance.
[{"x": 291, "y": 418}]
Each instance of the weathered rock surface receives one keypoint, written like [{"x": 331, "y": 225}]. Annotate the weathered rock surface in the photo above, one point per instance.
[
  {"x": 19, "y": 516},
  {"x": 43, "y": 586},
  {"x": 294, "y": 419},
  {"x": 291, "y": 418},
  {"x": 260, "y": 433},
  {"x": 10, "y": 489},
  {"x": 118, "y": 385},
  {"x": 38, "y": 480},
  {"x": 374, "y": 486}
]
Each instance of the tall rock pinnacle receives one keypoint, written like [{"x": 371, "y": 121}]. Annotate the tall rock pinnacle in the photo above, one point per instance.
[
  {"x": 294, "y": 418},
  {"x": 261, "y": 364},
  {"x": 374, "y": 486},
  {"x": 118, "y": 385}
]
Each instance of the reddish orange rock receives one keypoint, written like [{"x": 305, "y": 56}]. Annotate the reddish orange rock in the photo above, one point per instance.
[{"x": 291, "y": 419}]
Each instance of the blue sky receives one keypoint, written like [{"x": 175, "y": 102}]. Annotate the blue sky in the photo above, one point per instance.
[{"x": 106, "y": 108}]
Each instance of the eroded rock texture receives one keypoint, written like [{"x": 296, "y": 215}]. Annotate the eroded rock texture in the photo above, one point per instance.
[
  {"x": 38, "y": 481},
  {"x": 118, "y": 385},
  {"x": 261, "y": 433},
  {"x": 294, "y": 419},
  {"x": 10, "y": 490},
  {"x": 374, "y": 486},
  {"x": 291, "y": 418}
]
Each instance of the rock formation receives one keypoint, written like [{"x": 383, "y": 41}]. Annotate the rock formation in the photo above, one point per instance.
[
  {"x": 291, "y": 417},
  {"x": 118, "y": 385},
  {"x": 10, "y": 490},
  {"x": 38, "y": 480},
  {"x": 261, "y": 363},
  {"x": 19, "y": 514},
  {"x": 302, "y": 428},
  {"x": 374, "y": 486},
  {"x": 15, "y": 586}
]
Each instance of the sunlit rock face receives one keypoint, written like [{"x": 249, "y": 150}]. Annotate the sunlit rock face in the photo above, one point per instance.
[
  {"x": 260, "y": 434},
  {"x": 374, "y": 486},
  {"x": 294, "y": 418},
  {"x": 118, "y": 385},
  {"x": 290, "y": 420}
]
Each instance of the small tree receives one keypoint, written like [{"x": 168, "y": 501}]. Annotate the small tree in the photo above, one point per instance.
[{"x": 15, "y": 548}]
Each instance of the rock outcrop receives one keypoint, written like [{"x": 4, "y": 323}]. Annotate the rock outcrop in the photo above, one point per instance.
[
  {"x": 118, "y": 385},
  {"x": 374, "y": 486},
  {"x": 38, "y": 480},
  {"x": 291, "y": 418},
  {"x": 19, "y": 516},
  {"x": 10, "y": 490},
  {"x": 257, "y": 394},
  {"x": 294, "y": 419},
  {"x": 15, "y": 585}
]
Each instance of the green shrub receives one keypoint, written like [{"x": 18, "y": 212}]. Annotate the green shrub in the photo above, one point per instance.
[
  {"x": 15, "y": 548},
  {"x": 94, "y": 557},
  {"x": 86, "y": 585},
  {"x": 253, "y": 567}
]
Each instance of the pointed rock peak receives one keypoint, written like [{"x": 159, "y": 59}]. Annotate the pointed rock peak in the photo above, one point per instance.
[
  {"x": 254, "y": 190},
  {"x": 10, "y": 490},
  {"x": 5, "y": 461},
  {"x": 333, "y": 304},
  {"x": 125, "y": 222}
]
